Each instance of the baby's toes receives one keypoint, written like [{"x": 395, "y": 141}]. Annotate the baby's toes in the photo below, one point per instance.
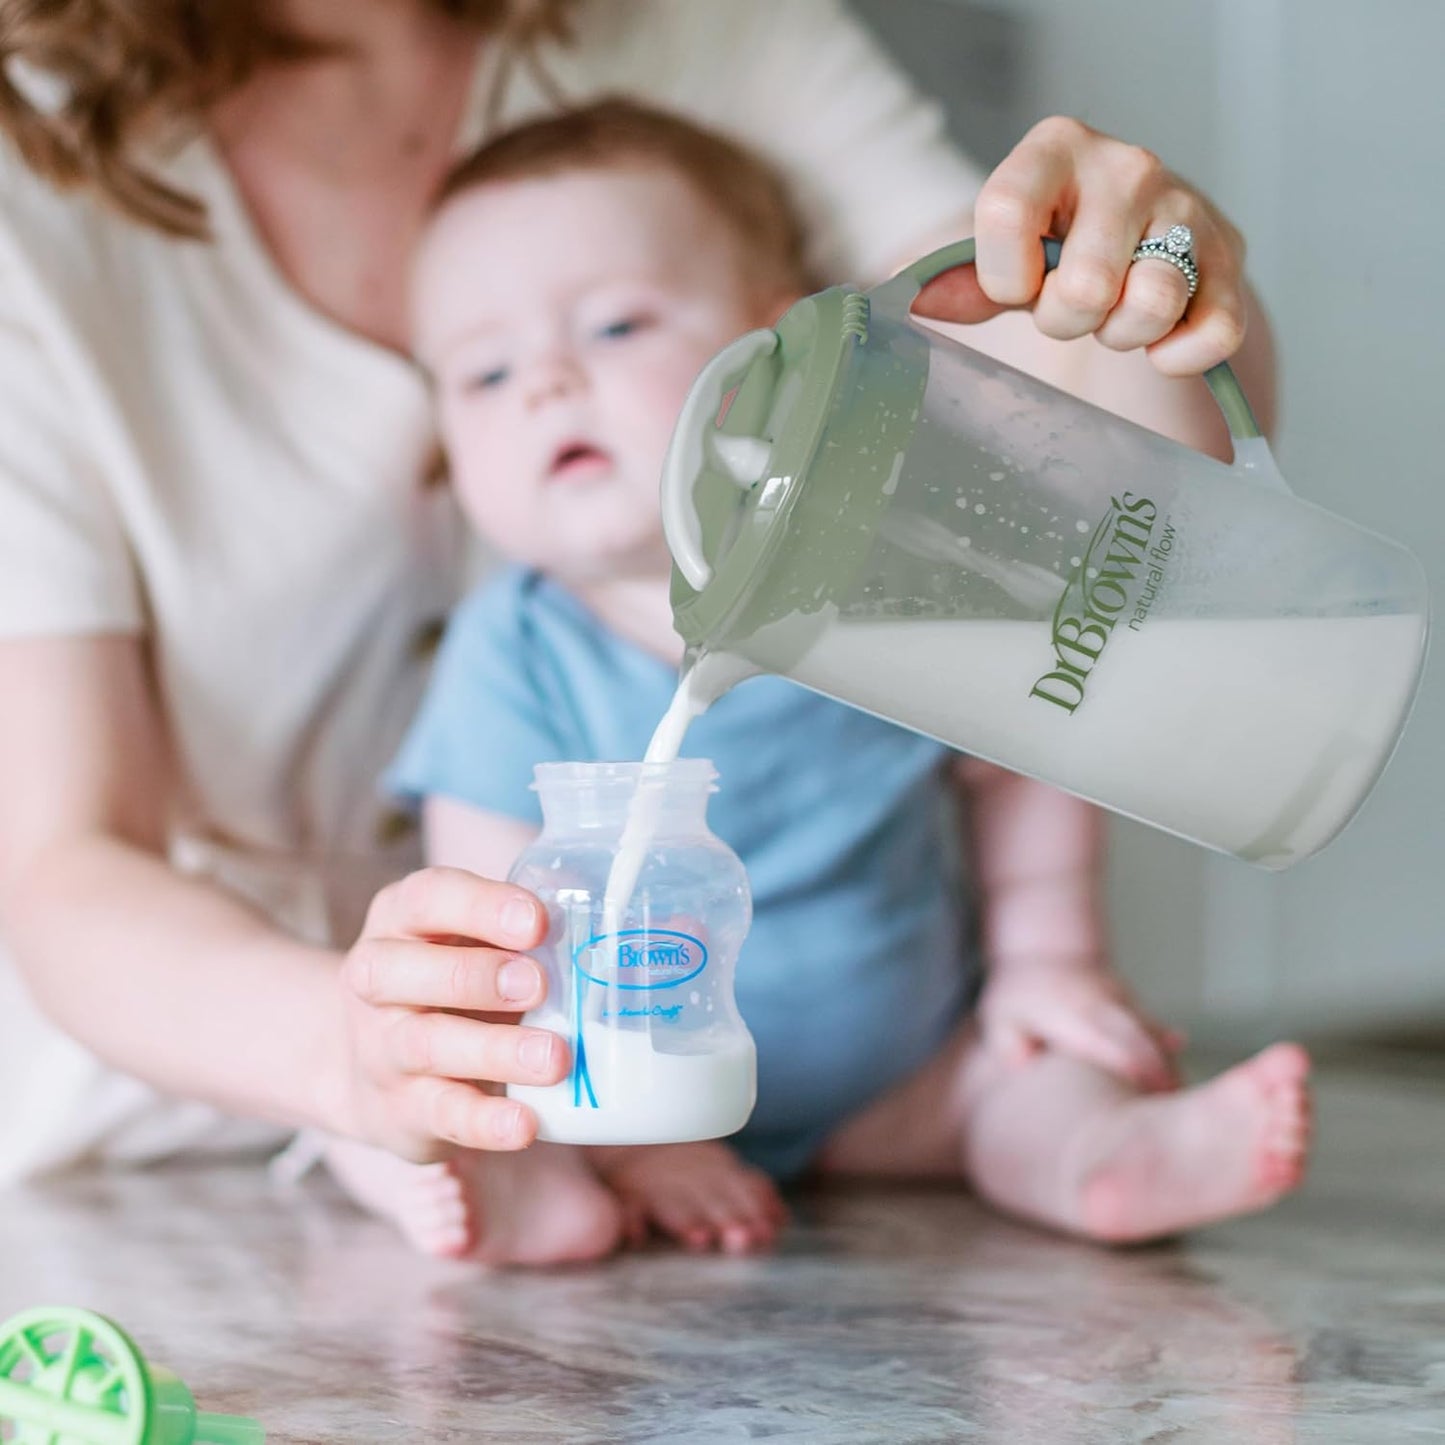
[
  {"x": 1288, "y": 1137},
  {"x": 1287, "y": 1140},
  {"x": 1290, "y": 1107},
  {"x": 1285, "y": 1132},
  {"x": 734, "y": 1229},
  {"x": 435, "y": 1212},
  {"x": 748, "y": 1213},
  {"x": 683, "y": 1215},
  {"x": 1289, "y": 1129},
  {"x": 763, "y": 1203},
  {"x": 1281, "y": 1170},
  {"x": 441, "y": 1238}
]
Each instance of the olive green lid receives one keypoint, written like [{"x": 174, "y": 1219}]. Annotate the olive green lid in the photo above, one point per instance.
[{"x": 771, "y": 513}]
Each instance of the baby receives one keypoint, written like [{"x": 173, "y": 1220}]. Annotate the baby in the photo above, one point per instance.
[{"x": 924, "y": 1004}]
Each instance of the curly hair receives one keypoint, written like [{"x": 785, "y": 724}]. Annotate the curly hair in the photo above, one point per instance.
[{"x": 89, "y": 88}]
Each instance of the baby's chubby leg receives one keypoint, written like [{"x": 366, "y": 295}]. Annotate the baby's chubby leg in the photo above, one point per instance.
[{"x": 1065, "y": 1144}]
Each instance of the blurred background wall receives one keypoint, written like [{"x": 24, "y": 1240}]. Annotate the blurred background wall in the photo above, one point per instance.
[{"x": 1319, "y": 127}]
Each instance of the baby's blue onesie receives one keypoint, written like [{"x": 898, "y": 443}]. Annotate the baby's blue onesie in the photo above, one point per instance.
[{"x": 859, "y": 963}]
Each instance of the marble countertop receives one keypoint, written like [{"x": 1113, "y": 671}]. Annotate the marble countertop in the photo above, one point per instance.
[{"x": 887, "y": 1316}]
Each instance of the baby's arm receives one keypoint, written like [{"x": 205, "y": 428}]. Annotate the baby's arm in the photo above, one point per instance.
[
  {"x": 461, "y": 836},
  {"x": 1037, "y": 855}
]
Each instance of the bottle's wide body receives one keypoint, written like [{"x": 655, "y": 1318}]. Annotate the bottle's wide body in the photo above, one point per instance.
[{"x": 639, "y": 986}]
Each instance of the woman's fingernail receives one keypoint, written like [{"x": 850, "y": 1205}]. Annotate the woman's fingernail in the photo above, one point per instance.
[
  {"x": 519, "y": 917},
  {"x": 511, "y": 1124},
  {"x": 517, "y": 980},
  {"x": 535, "y": 1053}
]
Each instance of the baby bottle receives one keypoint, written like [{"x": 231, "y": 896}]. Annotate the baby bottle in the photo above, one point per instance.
[{"x": 647, "y": 912}]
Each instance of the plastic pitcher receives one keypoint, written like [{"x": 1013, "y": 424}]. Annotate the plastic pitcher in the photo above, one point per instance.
[{"x": 864, "y": 505}]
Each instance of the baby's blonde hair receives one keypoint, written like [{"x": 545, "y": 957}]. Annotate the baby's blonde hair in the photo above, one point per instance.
[{"x": 614, "y": 133}]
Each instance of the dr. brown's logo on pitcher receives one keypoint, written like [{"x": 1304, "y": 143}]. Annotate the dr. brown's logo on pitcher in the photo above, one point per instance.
[{"x": 1101, "y": 589}]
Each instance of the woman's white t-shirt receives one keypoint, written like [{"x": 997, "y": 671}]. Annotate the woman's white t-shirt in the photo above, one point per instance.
[{"x": 190, "y": 452}]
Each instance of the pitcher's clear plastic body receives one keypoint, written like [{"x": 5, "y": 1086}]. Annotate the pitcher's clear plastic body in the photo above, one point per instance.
[
  {"x": 891, "y": 518},
  {"x": 642, "y": 990}
]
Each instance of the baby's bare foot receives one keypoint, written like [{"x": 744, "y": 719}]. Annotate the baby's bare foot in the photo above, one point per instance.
[
  {"x": 1169, "y": 1162},
  {"x": 542, "y": 1205},
  {"x": 701, "y": 1195},
  {"x": 427, "y": 1202}
]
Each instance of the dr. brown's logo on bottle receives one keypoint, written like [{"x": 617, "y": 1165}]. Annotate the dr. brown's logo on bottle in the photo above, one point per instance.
[{"x": 641, "y": 958}]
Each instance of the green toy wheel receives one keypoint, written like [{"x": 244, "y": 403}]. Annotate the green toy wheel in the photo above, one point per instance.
[{"x": 70, "y": 1377}]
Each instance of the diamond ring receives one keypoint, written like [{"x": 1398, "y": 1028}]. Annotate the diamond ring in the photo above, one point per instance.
[{"x": 1176, "y": 248}]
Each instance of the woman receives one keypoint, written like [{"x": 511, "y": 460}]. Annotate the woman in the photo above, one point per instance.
[{"x": 223, "y": 555}]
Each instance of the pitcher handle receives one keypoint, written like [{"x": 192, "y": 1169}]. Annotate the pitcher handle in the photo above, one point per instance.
[
  {"x": 680, "y": 524},
  {"x": 1223, "y": 384}
]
